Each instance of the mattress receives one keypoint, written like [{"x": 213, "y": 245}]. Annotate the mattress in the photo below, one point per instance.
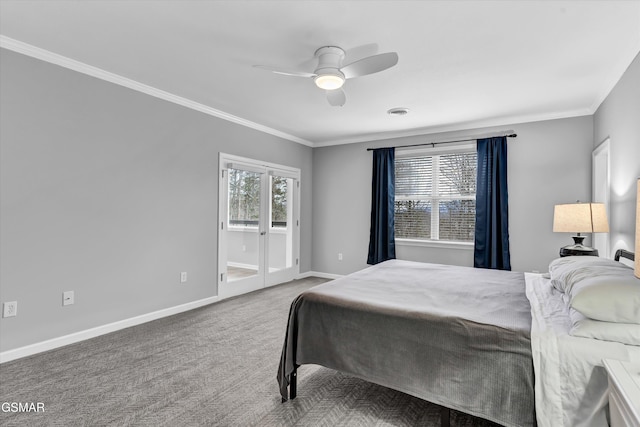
[{"x": 455, "y": 336}]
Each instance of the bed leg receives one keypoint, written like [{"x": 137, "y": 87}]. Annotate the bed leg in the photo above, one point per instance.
[
  {"x": 445, "y": 417},
  {"x": 292, "y": 384}
]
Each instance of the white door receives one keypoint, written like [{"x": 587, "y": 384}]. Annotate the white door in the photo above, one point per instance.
[
  {"x": 258, "y": 241},
  {"x": 600, "y": 193}
]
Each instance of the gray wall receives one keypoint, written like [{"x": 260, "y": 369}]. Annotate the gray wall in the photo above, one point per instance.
[
  {"x": 618, "y": 117},
  {"x": 111, "y": 193},
  {"x": 549, "y": 163}
]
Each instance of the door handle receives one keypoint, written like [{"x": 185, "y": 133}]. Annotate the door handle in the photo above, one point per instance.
[{"x": 262, "y": 233}]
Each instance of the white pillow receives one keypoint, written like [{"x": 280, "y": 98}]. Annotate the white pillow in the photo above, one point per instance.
[
  {"x": 599, "y": 288},
  {"x": 565, "y": 272},
  {"x": 625, "y": 333},
  {"x": 609, "y": 298}
]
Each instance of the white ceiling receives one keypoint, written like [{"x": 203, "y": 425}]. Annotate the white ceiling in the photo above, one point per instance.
[{"x": 463, "y": 64}]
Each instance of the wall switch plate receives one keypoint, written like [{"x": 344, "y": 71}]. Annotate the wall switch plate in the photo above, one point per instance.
[
  {"x": 10, "y": 309},
  {"x": 340, "y": 256},
  {"x": 183, "y": 277},
  {"x": 68, "y": 298}
]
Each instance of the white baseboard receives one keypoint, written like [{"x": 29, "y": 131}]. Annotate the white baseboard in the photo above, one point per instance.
[
  {"x": 9, "y": 355},
  {"x": 318, "y": 274},
  {"x": 29, "y": 350}
]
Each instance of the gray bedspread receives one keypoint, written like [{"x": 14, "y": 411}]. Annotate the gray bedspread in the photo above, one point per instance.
[{"x": 455, "y": 336}]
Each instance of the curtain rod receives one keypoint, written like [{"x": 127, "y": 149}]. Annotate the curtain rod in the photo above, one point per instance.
[{"x": 511, "y": 135}]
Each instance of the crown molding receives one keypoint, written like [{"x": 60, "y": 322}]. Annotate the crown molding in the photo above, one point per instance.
[
  {"x": 425, "y": 131},
  {"x": 53, "y": 58},
  {"x": 81, "y": 67}
]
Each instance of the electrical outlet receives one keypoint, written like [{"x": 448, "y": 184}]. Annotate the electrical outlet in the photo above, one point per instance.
[
  {"x": 10, "y": 309},
  {"x": 183, "y": 277},
  {"x": 68, "y": 298}
]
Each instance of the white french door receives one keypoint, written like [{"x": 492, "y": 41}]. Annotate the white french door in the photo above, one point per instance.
[{"x": 258, "y": 233}]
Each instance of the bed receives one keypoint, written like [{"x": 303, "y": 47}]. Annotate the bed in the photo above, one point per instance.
[
  {"x": 571, "y": 383},
  {"x": 463, "y": 338},
  {"x": 455, "y": 336}
]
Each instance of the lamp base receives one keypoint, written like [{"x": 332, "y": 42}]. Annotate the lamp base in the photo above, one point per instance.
[
  {"x": 577, "y": 240},
  {"x": 578, "y": 249}
]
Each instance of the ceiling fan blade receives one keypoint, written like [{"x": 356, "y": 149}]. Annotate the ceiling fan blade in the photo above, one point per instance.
[
  {"x": 336, "y": 97},
  {"x": 370, "y": 65},
  {"x": 285, "y": 72},
  {"x": 361, "y": 52}
]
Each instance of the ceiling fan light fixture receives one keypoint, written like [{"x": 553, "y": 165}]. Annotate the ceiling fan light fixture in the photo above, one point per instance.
[
  {"x": 329, "y": 81},
  {"x": 330, "y": 73}
]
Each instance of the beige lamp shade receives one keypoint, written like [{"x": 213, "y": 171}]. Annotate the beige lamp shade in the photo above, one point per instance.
[
  {"x": 580, "y": 218},
  {"x": 637, "y": 269}
]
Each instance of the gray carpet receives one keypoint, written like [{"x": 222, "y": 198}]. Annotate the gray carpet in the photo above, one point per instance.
[{"x": 213, "y": 366}]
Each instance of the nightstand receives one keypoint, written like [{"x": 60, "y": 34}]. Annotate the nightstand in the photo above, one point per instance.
[{"x": 624, "y": 392}]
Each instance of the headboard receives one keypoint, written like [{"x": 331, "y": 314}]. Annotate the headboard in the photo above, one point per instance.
[{"x": 621, "y": 253}]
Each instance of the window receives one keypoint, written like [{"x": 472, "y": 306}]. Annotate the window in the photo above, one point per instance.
[
  {"x": 244, "y": 198},
  {"x": 279, "y": 209},
  {"x": 436, "y": 196}
]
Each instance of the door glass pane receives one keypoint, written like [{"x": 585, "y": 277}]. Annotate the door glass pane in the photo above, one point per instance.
[
  {"x": 280, "y": 227},
  {"x": 243, "y": 224}
]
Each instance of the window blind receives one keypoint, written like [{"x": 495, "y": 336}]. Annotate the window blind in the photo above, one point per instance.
[
  {"x": 435, "y": 196},
  {"x": 413, "y": 176}
]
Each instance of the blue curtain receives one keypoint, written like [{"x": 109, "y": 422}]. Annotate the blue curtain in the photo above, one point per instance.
[
  {"x": 382, "y": 245},
  {"x": 492, "y": 212}
]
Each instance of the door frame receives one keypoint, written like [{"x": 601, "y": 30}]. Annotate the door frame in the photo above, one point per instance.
[
  {"x": 264, "y": 278},
  {"x": 600, "y": 190}
]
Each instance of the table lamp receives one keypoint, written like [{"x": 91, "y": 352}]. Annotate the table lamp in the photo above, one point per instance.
[{"x": 580, "y": 218}]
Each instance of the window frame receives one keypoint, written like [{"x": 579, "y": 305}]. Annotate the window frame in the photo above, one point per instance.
[{"x": 435, "y": 213}]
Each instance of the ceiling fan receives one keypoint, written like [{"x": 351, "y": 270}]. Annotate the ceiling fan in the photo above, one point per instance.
[{"x": 330, "y": 74}]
